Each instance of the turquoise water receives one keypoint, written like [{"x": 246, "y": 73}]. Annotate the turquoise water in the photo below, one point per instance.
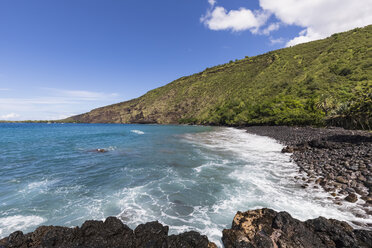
[{"x": 187, "y": 177}]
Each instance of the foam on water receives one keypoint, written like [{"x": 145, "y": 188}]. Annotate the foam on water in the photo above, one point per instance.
[
  {"x": 252, "y": 173},
  {"x": 18, "y": 222},
  {"x": 263, "y": 177},
  {"x": 139, "y": 132},
  {"x": 190, "y": 178},
  {"x": 38, "y": 186}
]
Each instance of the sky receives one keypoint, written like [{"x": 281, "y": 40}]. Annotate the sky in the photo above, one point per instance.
[{"x": 62, "y": 58}]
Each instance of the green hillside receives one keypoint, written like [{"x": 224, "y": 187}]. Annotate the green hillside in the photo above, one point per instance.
[{"x": 320, "y": 82}]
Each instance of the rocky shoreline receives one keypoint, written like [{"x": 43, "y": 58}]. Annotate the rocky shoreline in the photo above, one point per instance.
[
  {"x": 109, "y": 233},
  {"x": 336, "y": 159},
  {"x": 261, "y": 228},
  {"x": 267, "y": 228}
]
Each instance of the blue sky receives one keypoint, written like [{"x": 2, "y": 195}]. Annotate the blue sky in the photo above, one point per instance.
[{"x": 60, "y": 58}]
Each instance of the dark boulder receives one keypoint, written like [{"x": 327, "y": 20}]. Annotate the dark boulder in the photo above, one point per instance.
[
  {"x": 351, "y": 198},
  {"x": 288, "y": 149},
  {"x": 151, "y": 235},
  {"x": 268, "y": 228},
  {"x": 189, "y": 240},
  {"x": 110, "y": 233},
  {"x": 101, "y": 150}
]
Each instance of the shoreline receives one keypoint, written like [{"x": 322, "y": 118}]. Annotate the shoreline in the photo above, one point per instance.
[
  {"x": 300, "y": 141},
  {"x": 338, "y": 160},
  {"x": 260, "y": 228}
]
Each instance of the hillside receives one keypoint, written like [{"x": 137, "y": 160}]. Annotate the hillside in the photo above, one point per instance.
[{"x": 320, "y": 82}]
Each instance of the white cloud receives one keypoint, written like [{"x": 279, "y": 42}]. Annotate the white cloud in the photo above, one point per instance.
[
  {"x": 274, "y": 41},
  {"x": 235, "y": 20},
  {"x": 4, "y": 89},
  {"x": 212, "y": 2},
  {"x": 272, "y": 27},
  {"x": 81, "y": 95},
  {"x": 318, "y": 18},
  {"x": 9, "y": 116},
  {"x": 54, "y": 104}
]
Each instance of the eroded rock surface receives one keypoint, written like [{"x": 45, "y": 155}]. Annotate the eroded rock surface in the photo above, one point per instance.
[
  {"x": 110, "y": 233},
  {"x": 267, "y": 228}
]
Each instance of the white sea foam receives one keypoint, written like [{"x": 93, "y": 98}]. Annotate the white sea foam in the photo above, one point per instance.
[
  {"x": 229, "y": 170},
  {"x": 211, "y": 165},
  {"x": 110, "y": 148},
  {"x": 139, "y": 132},
  {"x": 264, "y": 177},
  {"x": 18, "y": 222},
  {"x": 38, "y": 186}
]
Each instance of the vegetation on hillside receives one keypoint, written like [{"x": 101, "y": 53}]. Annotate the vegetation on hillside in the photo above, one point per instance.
[{"x": 317, "y": 83}]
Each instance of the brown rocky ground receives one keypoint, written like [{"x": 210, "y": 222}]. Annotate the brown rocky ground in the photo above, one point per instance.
[{"x": 270, "y": 229}]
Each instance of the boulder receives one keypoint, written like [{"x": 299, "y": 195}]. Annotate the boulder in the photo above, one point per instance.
[
  {"x": 110, "y": 233},
  {"x": 351, "y": 198},
  {"x": 267, "y": 228}
]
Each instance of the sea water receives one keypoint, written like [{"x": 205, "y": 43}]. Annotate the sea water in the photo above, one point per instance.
[{"x": 187, "y": 177}]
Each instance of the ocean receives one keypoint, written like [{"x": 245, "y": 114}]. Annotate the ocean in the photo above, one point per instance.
[{"x": 187, "y": 177}]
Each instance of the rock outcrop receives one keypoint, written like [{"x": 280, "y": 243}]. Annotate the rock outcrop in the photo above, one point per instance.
[
  {"x": 110, "y": 233},
  {"x": 261, "y": 228},
  {"x": 267, "y": 228}
]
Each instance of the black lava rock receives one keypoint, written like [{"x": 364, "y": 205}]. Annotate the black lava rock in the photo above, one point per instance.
[
  {"x": 266, "y": 228},
  {"x": 110, "y": 233}
]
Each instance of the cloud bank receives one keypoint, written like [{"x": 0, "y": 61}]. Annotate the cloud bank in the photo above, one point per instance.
[
  {"x": 10, "y": 116},
  {"x": 53, "y": 104},
  {"x": 318, "y": 18}
]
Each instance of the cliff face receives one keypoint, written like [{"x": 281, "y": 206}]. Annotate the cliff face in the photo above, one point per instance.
[{"x": 305, "y": 84}]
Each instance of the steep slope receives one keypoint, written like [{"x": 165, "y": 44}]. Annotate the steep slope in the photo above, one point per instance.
[{"x": 311, "y": 83}]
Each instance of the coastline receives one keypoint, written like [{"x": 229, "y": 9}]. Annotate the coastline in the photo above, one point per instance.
[
  {"x": 338, "y": 160},
  {"x": 260, "y": 228},
  {"x": 299, "y": 141}
]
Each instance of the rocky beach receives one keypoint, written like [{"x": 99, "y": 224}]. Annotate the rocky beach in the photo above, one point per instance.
[
  {"x": 338, "y": 160},
  {"x": 261, "y": 228}
]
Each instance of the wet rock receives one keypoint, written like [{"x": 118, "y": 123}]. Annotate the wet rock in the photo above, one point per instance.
[
  {"x": 368, "y": 199},
  {"x": 267, "y": 228},
  {"x": 17, "y": 239},
  {"x": 110, "y": 233},
  {"x": 341, "y": 179},
  {"x": 351, "y": 197},
  {"x": 152, "y": 234},
  {"x": 288, "y": 149},
  {"x": 98, "y": 150},
  {"x": 190, "y": 239}
]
